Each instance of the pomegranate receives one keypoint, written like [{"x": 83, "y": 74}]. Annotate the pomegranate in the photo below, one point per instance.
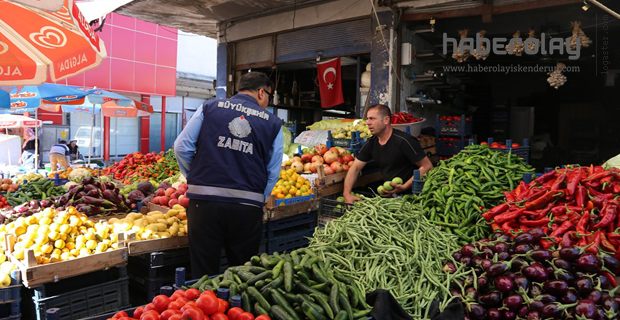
[
  {"x": 318, "y": 159},
  {"x": 336, "y": 166},
  {"x": 297, "y": 166},
  {"x": 306, "y": 157},
  {"x": 347, "y": 158},
  {"x": 328, "y": 170},
  {"x": 330, "y": 157}
]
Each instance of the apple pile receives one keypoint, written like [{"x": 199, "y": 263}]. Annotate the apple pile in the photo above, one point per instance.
[
  {"x": 389, "y": 186},
  {"x": 169, "y": 196},
  {"x": 333, "y": 160}
]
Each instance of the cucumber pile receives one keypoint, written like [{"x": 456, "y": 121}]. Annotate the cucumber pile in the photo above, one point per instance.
[{"x": 291, "y": 286}]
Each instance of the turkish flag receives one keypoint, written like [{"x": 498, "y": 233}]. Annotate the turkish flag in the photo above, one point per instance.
[{"x": 330, "y": 83}]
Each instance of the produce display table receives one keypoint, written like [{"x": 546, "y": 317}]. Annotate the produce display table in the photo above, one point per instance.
[
  {"x": 336, "y": 188},
  {"x": 138, "y": 247}
]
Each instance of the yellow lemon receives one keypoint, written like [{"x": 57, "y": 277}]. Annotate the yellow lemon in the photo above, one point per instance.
[{"x": 59, "y": 244}]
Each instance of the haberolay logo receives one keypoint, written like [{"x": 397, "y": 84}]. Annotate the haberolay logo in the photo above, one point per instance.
[{"x": 532, "y": 46}]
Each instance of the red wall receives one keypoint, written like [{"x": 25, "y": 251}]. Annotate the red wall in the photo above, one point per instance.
[{"x": 142, "y": 58}]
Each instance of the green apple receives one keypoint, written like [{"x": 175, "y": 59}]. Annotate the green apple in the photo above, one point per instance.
[
  {"x": 397, "y": 180},
  {"x": 381, "y": 190},
  {"x": 388, "y": 186},
  {"x": 340, "y": 199}
]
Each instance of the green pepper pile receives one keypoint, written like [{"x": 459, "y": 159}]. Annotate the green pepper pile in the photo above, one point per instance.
[{"x": 460, "y": 189}]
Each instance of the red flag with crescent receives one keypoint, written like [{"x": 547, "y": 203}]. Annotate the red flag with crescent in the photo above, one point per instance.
[{"x": 330, "y": 83}]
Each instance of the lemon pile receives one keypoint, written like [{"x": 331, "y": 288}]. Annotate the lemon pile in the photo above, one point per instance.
[
  {"x": 59, "y": 235},
  {"x": 5, "y": 270},
  {"x": 290, "y": 185},
  {"x": 153, "y": 225}
]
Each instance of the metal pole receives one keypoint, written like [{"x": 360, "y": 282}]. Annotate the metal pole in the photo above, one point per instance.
[
  {"x": 36, "y": 141},
  {"x": 92, "y": 136}
]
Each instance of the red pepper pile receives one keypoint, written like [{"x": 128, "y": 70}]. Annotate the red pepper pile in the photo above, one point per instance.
[
  {"x": 190, "y": 304},
  {"x": 404, "y": 117},
  {"x": 143, "y": 167},
  {"x": 574, "y": 206}
]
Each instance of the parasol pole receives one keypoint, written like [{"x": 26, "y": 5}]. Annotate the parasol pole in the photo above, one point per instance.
[
  {"x": 92, "y": 136},
  {"x": 36, "y": 140}
]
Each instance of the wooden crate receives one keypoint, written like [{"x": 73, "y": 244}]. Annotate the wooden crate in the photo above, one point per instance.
[
  {"x": 275, "y": 213},
  {"x": 328, "y": 180},
  {"x": 137, "y": 247},
  {"x": 155, "y": 207},
  {"x": 34, "y": 274}
]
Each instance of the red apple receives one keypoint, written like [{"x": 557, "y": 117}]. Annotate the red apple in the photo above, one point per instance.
[
  {"x": 172, "y": 202},
  {"x": 160, "y": 192},
  {"x": 336, "y": 166},
  {"x": 347, "y": 158},
  {"x": 175, "y": 195},
  {"x": 321, "y": 149},
  {"x": 318, "y": 159},
  {"x": 328, "y": 170},
  {"x": 334, "y": 150},
  {"x": 330, "y": 157},
  {"x": 164, "y": 200},
  {"x": 306, "y": 157},
  {"x": 170, "y": 191}
]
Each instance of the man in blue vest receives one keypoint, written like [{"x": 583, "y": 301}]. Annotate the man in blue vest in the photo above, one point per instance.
[{"x": 231, "y": 153}]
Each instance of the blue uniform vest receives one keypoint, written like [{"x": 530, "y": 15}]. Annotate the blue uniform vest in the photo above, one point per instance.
[{"x": 232, "y": 152}]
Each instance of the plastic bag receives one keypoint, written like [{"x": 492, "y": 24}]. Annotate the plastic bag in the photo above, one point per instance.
[{"x": 612, "y": 163}]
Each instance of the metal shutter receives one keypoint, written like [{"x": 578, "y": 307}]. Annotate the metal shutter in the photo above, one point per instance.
[
  {"x": 254, "y": 51},
  {"x": 346, "y": 38}
]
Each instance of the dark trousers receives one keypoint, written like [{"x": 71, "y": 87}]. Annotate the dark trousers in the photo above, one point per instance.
[{"x": 214, "y": 225}]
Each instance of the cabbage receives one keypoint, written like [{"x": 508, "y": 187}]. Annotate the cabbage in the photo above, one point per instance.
[
  {"x": 79, "y": 174},
  {"x": 287, "y": 138},
  {"x": 612, "y": 163}
]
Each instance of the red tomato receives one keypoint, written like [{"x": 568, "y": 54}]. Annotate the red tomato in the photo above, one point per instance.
[
  {"x": 150, "y": 315},
  {"x": 219, "y": 316},
  {"x": 484, "y": 143},
  {"x": 138, "y": 312},
  {"x": 189, "y": 304},
  {"x": 177, "y": 294},
  {"x": 193, "y": 314},
  {"x": 208, "y": 304},
  {"x": 245, "y": 316},
  {"x": 176, "y": 317},
  {"x": 169, "y": 313},
  {"x": 126, "y": 318},
  {"x": 192, "y": 294},
  {"x": 234, "y": 312},
  {"x": 150, "y": 306},
  {"x": 209, "y": 293},
  {"x": 161, "y": 302},
  {"x": 263, "y": 317},
  {"x": 176, "y": 305},
  {"x": 222, "y": 306},
  {"x": 120, "y": 314},
  {"x": 516, "y": 145}
]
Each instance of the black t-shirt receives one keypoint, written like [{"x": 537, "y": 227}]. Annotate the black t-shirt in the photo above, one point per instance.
[{"x": 397, "y": 158}]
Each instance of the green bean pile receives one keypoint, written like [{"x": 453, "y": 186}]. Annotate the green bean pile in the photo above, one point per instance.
[
  {"x": 458, "y": 190},
  {"x": 389, "y": 244}
]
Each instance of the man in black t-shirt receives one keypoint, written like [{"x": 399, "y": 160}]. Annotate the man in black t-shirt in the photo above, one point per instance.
[{"x": 396, "y": 153}]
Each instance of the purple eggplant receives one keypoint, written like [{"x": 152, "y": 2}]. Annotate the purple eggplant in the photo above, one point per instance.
[
  {"x": 537, "y": 234},
  {"x": 586, "y": 308},
  {"x": 500, "y": 247},
  {"x": 491, "y": 299},
  {"x": 569, "y": 297},
  {"x": 513, "y": 302},
  {"x": 611, "y": 263},
  {"x": 523, "y": 311},
  {"x": 562, "y": 264},
  {"x": 552, "y": 311},
  {"x": 498, "y": 268},
  {"x": 477, "y": 312},
  {"x": 604, "y": 282},
  {"x": 457, "y": 256},
  {"x": 465, "y": 260},
  {"x": 503, "y": 283},
  {"x": 588, "y": 262},
  {"x": 595, "y": 296},
  {"x": 546, "y": 298},
  {"x": 503, "y": 256},
  {"x": 533, "y": 315},
  {"x": 562, "y": 274},
  {"x": 518, "y": 264},
  {"x": 487, "y": 253},
  {"x": 536, "y": 305},
  {"x": 508, "y": 315},
  {"x": 556, "y": 287},
  {"x": 485, "y": 264},
  {"x": 523, "y": 248},
  {"x": 494, "y": 314},
  {"x": 483, "y": 282},
  {"x": 584, "y": 285},
  {"x": 570, "y": 253},
  {"x": 536, "y": 272},
  {"x": 449, "y": 268},
  {"x": 521, "y": 282},
  {"x": 524, "y": 238},
  {"x": 611, "y": 304},
  {"x": 540, "y": 255}
]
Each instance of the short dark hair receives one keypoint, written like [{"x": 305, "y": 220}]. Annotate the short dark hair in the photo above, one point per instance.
[
  {"x": 63, "y": 142},
  {"x": 254, "y": 81},
  {"x": 383, "y": 110}
]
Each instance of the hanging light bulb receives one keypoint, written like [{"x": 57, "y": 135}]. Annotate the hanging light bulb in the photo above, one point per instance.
[
  {"x": 432, "y": 23},
  {"x": 585, "y": 6}
]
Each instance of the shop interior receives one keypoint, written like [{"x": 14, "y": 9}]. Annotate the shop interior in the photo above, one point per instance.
[{"x": 574, "y": 123}]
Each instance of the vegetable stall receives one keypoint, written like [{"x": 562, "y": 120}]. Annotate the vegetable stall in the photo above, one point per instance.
[{"x": 482, "y": 237}]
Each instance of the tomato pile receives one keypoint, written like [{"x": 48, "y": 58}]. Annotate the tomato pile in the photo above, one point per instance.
[
  {"x": 499, "y": 145},
  {"x": 404, "y": 117},
  {"x": 188, "y": 304},
  {"x": 3, "y": 202}
]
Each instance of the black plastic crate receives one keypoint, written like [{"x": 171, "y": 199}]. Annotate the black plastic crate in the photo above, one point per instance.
[
  {"x": 92, "y": 300},
  {"x": 12, "y": 293},
  {"x": 290, "y": 241},
  {"x": 450, "y": 146},
  {"x": 522, "y": 151},
  {"x": 300, "y": 222},
  {"x": 418, "y": 183},
  {"x": 330, "y": 209},
  {"x": 454, "y": 127},
  {"x": 143, "y": 290}
]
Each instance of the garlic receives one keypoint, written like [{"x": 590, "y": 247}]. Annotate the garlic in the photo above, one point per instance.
[
  {"x": 460, "y": 54},
  {"x": 578, "y": 34},
  {"x": 556, "y": 78},
  {"x": 531, "y": 45},
  {"x": 481, "y": 52},
  {"x": 515, "y": 47}
]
